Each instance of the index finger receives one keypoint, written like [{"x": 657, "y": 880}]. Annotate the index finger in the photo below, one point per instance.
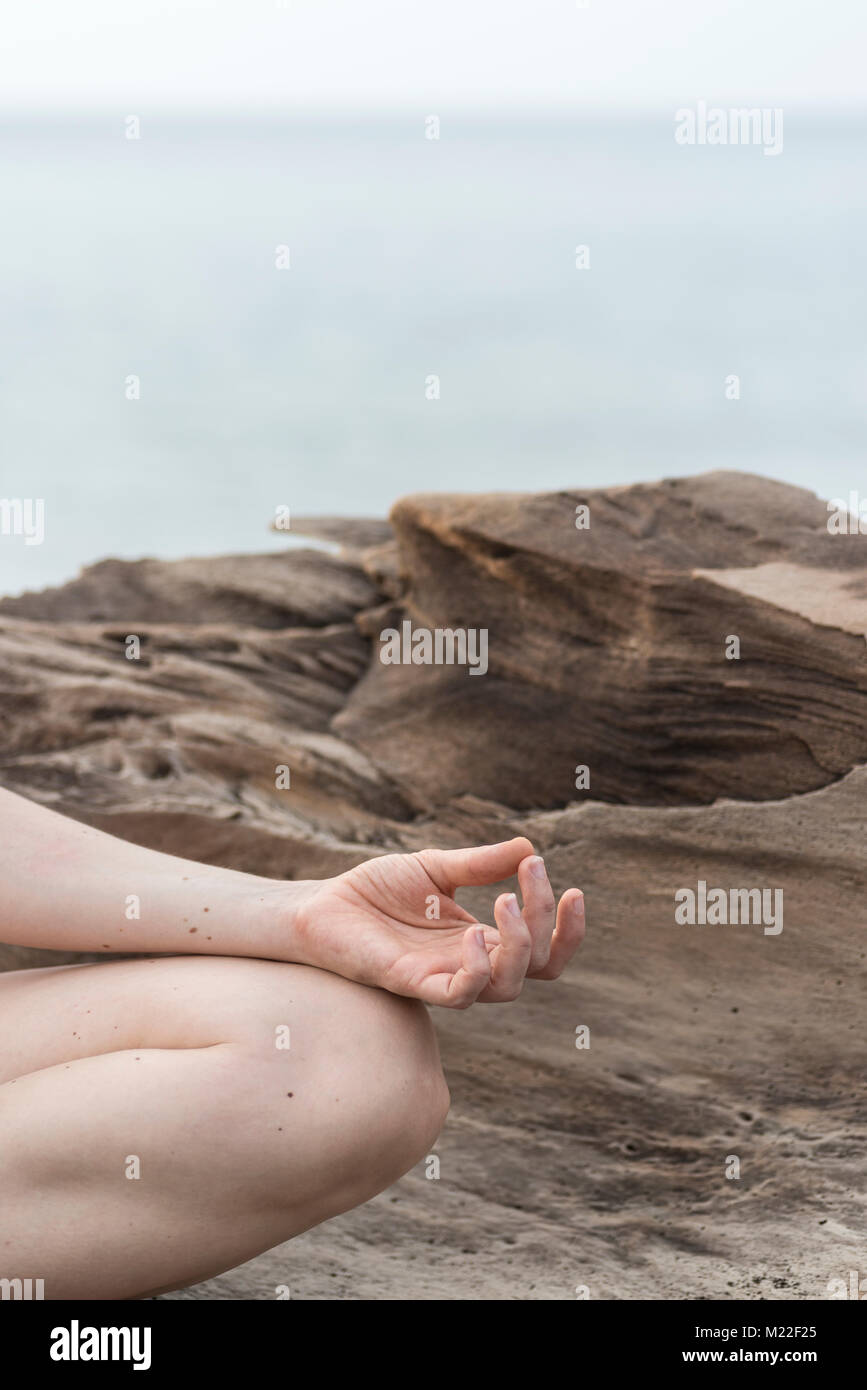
[{"x": 464, "y": 868}]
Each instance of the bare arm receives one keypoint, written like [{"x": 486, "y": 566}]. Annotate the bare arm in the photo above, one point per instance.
[
  {"x": 392, "y": 922},
  {"x": 68, "y": 887}
]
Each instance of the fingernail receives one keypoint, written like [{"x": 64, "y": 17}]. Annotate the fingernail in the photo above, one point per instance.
[
  {"x": 578, "y": 906},
  {"x": 537, "y": 867},
  {"x": 512, "y": 905},
  {"x": 479, "y": 938}
]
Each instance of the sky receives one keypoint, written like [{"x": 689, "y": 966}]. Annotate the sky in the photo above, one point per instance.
[{"x": 261, "y": 55}]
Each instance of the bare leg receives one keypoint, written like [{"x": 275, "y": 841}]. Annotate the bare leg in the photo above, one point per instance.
[{"x": 242, "y": 1142}]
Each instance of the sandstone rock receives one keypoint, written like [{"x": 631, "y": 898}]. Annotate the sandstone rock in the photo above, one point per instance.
[
  {"x": 607, "y": 646},
  {"x": 560, "y": 1166},
  {"x": 352, "y": 534},
  {"x": 605, "y": 1166},
  {"x": 299, "y": 587}
]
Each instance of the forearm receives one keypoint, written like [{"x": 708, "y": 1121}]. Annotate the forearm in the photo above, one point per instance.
[{"x": 69, "y": 887}]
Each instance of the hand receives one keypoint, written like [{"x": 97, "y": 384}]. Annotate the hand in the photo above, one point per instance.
[{"x": 393, "y": 922}]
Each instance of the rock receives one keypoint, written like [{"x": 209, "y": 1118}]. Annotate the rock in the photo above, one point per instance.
[
  {"x": 197, "y": 728},
  {"x": 179, "y": 749},
  {"x": 605, "y": 1166},
  {"x": 352, "y": 534},
  {"x": 608, "y": 646},
  {"x": 304, "y": 587},
  {"x": 560, "y": 1166}
]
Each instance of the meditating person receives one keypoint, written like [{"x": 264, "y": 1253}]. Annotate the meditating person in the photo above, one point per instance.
[{"x": 165, "y": 1118}]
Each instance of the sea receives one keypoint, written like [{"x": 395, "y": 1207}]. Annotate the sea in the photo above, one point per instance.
[{"x": 210, "y": 318}]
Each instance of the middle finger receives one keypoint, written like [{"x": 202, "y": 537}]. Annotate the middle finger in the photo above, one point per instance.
[
  {"x": 539, "y": 908},
  {"x": 509, "y": 960}
]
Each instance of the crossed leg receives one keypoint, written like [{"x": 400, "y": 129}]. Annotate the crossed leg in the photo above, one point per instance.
[{"x": 177, "y": 1069}]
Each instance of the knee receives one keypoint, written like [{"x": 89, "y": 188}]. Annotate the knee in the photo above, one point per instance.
[
  {"x": 400, "y": 1099},
  {"x": 357, "y": 1099},
  {"x": 416, "y": 1097}
]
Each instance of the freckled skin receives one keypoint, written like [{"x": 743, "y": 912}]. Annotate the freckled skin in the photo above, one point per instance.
[
  {"x": 173, "y": 1058},
  {"x": 196, "y": 1095}
]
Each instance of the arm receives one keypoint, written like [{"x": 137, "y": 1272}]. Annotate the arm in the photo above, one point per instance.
[
  {"x": 392, "y": 923},
  {"x": 69, "y": 887}
]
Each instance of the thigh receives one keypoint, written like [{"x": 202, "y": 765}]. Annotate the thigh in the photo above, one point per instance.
[
  {"x": 163, "y": 1120},
  {"x": 64, "y": 1013}
]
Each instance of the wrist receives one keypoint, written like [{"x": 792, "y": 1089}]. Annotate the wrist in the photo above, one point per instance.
[{"x": 278, "y": 921}]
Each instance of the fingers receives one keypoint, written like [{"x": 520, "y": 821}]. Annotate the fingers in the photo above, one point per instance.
[
  {"x": 539, "y": 909},
  {"x": 533, "y": 944},
  {"x": 459, "y": 990},
  {"x": 461, "y": 868},
  {"x": 510, "y": 959},
  {"x": 568, "y": 935}
]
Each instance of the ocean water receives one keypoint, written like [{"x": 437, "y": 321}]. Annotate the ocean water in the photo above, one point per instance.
[{"x": 411, "y": 258}]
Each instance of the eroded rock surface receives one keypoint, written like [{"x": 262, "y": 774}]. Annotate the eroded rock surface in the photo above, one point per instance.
[
  {"x": 606, "y": 1166},
  {"x": 559, "y": 1166},
  {"x": 607, "y": 646}
]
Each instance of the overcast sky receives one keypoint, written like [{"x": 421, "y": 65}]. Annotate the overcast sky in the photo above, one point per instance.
[{"x": 357, "y": 54}]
